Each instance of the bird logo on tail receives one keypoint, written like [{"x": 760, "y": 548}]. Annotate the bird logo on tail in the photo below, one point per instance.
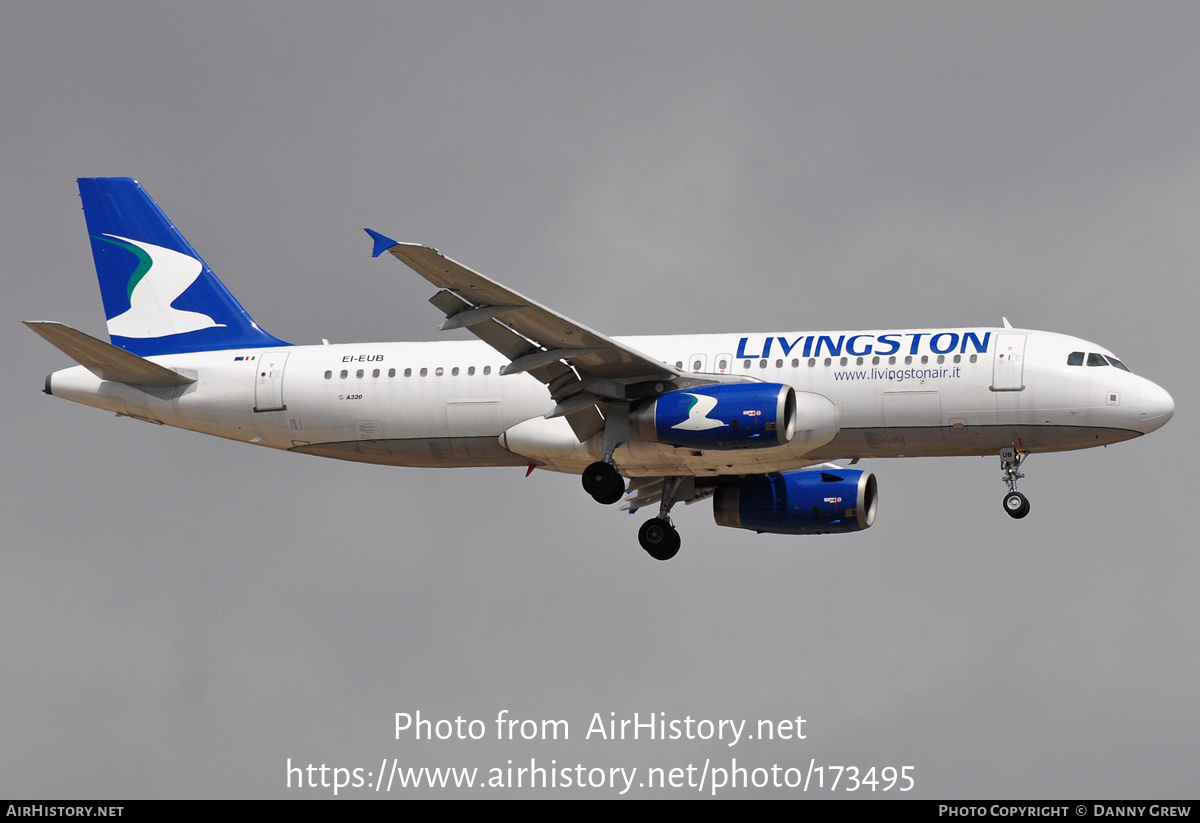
[{"x": 162, "y": 275}]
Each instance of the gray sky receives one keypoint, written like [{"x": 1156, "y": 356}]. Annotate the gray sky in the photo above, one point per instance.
[{"x": 183, "y": 614}]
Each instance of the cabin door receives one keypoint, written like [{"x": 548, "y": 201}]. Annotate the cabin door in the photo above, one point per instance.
[
  {"x": 268, "y": 381},
  {"x": 1008, "y": 367}
]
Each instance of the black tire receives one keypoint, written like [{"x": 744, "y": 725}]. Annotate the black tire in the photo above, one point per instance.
[
  {"x": 603, "y": 482},
  {"x": 659, "y": 538},
  {"x": 1016, "y": 505},
  {"x": 612, "y": 498},
  {"x": 671, "y": 550}
]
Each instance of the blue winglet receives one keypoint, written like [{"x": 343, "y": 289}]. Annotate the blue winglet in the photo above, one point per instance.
[{"x": 382, "y": 242}]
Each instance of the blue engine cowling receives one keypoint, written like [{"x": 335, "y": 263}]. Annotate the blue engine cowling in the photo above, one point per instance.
[
  {"x": 725, "y": 416},
  {"x": 799, "y": 502}
]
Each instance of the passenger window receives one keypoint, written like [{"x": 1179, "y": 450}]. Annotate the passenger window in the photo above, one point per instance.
[
  {"x": 795, "y": 362},
  {"x": 344, "y": 374},
  {"x": 375, "y": 373},
  {"x": 828, "y": 361},
  {"x": 695, "y": 365},
  {"x": 746, "y": 365},
  {"x": 941, "y": 359},
  {"x": 858, "y": 362},
  {"x": 391, "y": 372},
  {"x": 487, "y": 369},
  {"x": 470, "y": 370},
  {"x": 424, "y": 371},
  {"x": 328, "y": 374},
  {"x": 875, "y": 360},
  {"x": 924, "y": 359},
  {"x": 1096, "y": 359},
  {"x": 762, "y": 364},
  {"x": 1075, "y": 358},
  {"x": 974, "y": 357},
  {"x": 779, "y": 364},
  {"x": 892, "y": 360},
  {"x": 359, "y": 374},
  {"x": 812, "y": 361},
  {"x": 724, "y": 364},
  {"x": 958, "y": 358},
  {"x": 679, "y": 364},
  {"x": 1117, "y": 363},
  {"x": 454, "y": 372},
  {"x": 440, "y": 371},
  {"x": 908, "y": 359},
  {"x": 408, "y": 372}
]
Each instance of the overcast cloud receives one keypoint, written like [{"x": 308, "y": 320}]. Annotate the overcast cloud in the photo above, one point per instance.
[{"x": 183, "y": 614}]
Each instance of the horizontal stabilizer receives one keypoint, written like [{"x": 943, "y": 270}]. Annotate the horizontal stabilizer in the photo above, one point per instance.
[{"x": 105, "y": 360}]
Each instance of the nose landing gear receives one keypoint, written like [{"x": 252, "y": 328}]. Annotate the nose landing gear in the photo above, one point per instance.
[{"x": 1016, "y": 505}]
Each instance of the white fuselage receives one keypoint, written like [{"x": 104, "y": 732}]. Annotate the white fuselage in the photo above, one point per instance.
[{"x": 890, "y": 394}]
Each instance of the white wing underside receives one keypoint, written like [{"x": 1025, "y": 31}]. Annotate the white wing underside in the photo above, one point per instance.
[{"x": 648, "y": 491}]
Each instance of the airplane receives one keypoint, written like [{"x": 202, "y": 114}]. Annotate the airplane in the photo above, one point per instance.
[{"x": 754, "y": 421}]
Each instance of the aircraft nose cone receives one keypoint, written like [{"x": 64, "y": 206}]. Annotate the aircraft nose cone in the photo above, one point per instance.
[{"x": 1157, "y": 408}]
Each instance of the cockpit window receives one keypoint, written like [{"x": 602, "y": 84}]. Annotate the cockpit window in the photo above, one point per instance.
[
  {"x": 1075, "y": 358},
  {"x": 1096, "y": 359},
  {"x": 1117, "y": 363}
]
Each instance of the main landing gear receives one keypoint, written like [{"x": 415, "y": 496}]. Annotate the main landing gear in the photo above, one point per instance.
[
  {"x": 1015, "y": 503},
  {"x": 603, "y": 482},
  {"x": 658, "y": 536}
]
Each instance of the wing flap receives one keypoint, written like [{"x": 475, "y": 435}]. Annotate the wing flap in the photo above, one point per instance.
[
  {"x": 585, "y": 422},
  {"x": 500, "y": 337}
]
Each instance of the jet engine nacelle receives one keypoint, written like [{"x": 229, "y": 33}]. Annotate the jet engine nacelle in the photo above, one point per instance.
[
  {"x": 799, "y": 502},
  {"x": 725, "y": 416}
]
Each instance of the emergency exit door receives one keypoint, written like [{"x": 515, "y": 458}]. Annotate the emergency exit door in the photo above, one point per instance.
[{"x": 268, "y": 385}]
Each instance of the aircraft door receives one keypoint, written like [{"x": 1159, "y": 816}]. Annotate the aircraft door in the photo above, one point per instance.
[
  {"x": 723, "y": 363},
  {"x": 1008, "y": 367},
  {"x": 697, "y": 363},
  {"x": 268, "y": 381}
]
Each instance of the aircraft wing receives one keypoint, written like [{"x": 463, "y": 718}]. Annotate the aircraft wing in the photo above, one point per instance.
[
  {"x": 647, "y": 491},
  {"x": 579, "y": 366}
]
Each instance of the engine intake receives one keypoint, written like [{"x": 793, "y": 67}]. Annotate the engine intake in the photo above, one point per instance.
[
  {"x": 725, "y": 416},
  {"x": 799, "y": 502}
]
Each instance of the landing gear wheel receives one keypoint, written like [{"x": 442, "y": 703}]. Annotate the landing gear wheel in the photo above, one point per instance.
[
  {"x": 659, "y": 538},
  {"x": 612, "y": 498},
  {"x": 1016, "y": 505},
  {"x": 603, "y": 482}
]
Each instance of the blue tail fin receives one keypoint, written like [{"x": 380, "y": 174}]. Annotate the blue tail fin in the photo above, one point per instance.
[{"x": 159, "y": 296}]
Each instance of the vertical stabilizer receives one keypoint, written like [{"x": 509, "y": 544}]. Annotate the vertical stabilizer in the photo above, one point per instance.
[{"x": 159, "y": 295}]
